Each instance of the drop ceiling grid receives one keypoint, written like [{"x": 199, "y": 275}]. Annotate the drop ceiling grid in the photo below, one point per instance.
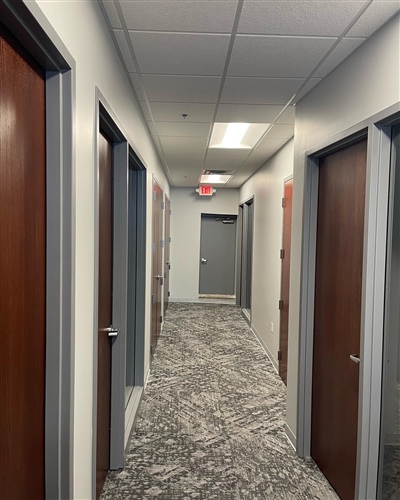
[{"x": 208, "y": 60}]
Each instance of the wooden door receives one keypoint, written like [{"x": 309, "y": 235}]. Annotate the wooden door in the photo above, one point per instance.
[
  {"x": 167, "y": 251},
  {"x": 157, "y": 277},
  {"x": 337, "y": 315},
  {"x": 104, "y": 311},
  {"x": 23, "y": 272},
  {"x": 285, "y": 279}
]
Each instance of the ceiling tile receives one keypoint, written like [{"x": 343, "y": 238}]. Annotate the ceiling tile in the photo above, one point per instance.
[
  {"x": 260, "y": 90},
  {"x": 138, "y": 86},
  {"x": 184, "y": 142},
  {"x": 124, "y": 49},
  {"x": 277, "y": 56},
  {"x": 112, "y": 13},
  {"x": 186, "y": 129},
  {"x": 287, "y": 117},
  {"x": 164, "y": 15},
  {"x": 183, "y": 163},
  {"x": 223, "y": 163},
  {"x": 339, "y": 54},
  {"x": 268, "y": 144},
  {"x": 247, "y": 113},
  {"x": 180, "y": 53},
  {"x": 173, "y": 111},
  {"x": 228, "y": 153},
  {"x": 280, "y": 132},
  {"x": 374, "y": 17},
  {"x": 307, "y": 87},
  {"x": 317, "y": 18},
  {"x": 237, "y": 181},
  {"x": 182, "y": 88},
  {"x": 152, "y": 128}
]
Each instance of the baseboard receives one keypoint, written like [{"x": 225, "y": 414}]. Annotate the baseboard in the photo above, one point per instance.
[
  {"x": 131, "y": 412},
  {"x": 290, "y": 436},
  {"x": 274, "y": 362}
]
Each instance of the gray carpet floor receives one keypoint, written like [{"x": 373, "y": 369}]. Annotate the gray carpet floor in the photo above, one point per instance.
[{"x": 211, "y": 422}]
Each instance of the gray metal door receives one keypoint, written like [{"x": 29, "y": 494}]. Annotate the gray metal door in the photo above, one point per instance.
[{"x": 217, "y": 254}]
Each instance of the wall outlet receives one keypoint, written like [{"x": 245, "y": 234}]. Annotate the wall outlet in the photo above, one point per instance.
[{"x": 272, "y": 327}]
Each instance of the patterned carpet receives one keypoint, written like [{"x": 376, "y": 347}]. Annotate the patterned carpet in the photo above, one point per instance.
[{"x": 211, "y": 423}]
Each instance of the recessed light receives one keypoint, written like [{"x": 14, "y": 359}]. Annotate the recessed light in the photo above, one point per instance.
[{"x": 236, "y": 135}]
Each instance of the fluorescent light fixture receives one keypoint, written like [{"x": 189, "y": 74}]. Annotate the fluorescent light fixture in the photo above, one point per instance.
[
  {"x": 237, "y": 135},
  {"x": 214, "y": 179}
]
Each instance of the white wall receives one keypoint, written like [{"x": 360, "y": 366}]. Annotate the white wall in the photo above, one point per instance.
[
  {"x": 267, "y": 187},
  {"x": 81, "y": 27},
  {"x": 187, "y": 207},
  {"x": 366, "y": 83}
]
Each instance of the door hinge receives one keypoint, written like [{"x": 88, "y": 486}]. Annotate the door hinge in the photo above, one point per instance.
[
  {"x": 162, "y": 243},
  {"x": 161, "y": 281},
  {"x": 152, "y": 298},
  {"x": 169, "y": 294},
  {"x": 165, "y": 274},
  {"x": 162, "y": 205},
  {"x": 280, "y": 305},
  {"x": 151, "y": 350},
  {"x": 160, "y": 319},
  {"x": 279, "y": 355},
  {"x": 283, "y": 202},
  {"x": 154, "y": 196},
  {"x": 282, "y": 253},
  {"x": 170, "y": 212},
  {"x": 153, "y": 247},
  {"x": 170, "y": 239}
]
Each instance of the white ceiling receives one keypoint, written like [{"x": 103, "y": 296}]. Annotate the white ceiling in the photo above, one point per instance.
[{"x": 231, "y": 61}]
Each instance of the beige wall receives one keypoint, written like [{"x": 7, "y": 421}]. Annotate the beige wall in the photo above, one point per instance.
[
  {"x": 266, "y": 185},
  {"x": 365, "y": 84},
  {"x": 82, "y": 29},
  {"x": 187, "y": 207}
]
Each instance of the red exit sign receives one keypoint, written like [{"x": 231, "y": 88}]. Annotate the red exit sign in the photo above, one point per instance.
[{"x": 205, "y": 190}]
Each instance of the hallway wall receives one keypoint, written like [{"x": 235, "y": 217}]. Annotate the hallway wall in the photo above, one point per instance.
[
  {"x": 267, "y": 187},
  {"x": 187, "y": 207},
  {"x": 82, "y": 28},
  {"x": 366, "y": 83}
]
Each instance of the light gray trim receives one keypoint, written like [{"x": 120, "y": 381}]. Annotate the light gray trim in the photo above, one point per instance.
[
  {"x": 239, "y": 233},
  {"x": 373, "y": 301},
  {"x": 27, "y": 23},
  {"x": 374, "y": 262},
  {"x": 119, "y": 313},
  {"x": 131, "y": 412}
]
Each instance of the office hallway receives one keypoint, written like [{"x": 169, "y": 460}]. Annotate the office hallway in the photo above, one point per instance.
[{"x": 211, "y": 423}]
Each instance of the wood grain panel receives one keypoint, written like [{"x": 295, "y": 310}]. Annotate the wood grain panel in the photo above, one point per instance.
[
  {"x": 285, "y": 280},
  {"x": 23, "y": 273},
  {"x": 337, "y": 317}
]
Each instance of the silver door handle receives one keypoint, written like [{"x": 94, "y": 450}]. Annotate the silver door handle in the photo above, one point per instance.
[
  {"x": 203, "y": 261},
  {"x": 355, "y": 358},
  {"x": 158, "y": 277},
  {"x": 112, "y": 332}
]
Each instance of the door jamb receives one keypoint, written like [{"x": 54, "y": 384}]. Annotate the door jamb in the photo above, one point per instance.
[
  {"x": 372, "y": 309},
  {"x": 31, "y": 28},
  {"x": 106, "y": 121}
]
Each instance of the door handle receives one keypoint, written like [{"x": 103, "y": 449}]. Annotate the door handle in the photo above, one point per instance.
[
  {"x": 112, "y": 332},
  {"x": 355, "y": 358},
  {"x": 203, "y": 261},
  {"x": 158, "y": 277}
]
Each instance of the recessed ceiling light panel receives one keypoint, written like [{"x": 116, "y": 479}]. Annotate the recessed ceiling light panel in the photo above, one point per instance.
[{"x": 237, "y": 135}]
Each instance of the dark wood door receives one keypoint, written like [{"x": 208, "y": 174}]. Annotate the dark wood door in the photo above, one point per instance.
[
  {"x": 104, "y": 310},
  {"x": 167, "y": 251},
  {"x": 337, "y": 316},
  {"x": 23, "y": 272},
  {"x": 285, "y": 279},
  {"x": 157, "y": 278}
]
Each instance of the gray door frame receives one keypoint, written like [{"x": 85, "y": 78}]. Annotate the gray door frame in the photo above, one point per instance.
[
  {"x": 31, "y": 28},
  {"x": 377, "y": 128},
  {"x": 242, "y": 285}
]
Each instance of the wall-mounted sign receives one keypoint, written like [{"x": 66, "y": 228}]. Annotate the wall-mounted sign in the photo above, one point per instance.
[{"x": 205, "y": 190}]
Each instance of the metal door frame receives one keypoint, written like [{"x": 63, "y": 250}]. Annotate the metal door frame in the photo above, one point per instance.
[
  {"x": 31, "y": 28},
  {"x": 377, "y": 129}
]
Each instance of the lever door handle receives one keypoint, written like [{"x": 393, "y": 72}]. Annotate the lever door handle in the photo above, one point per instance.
[
  {"x": 158, "y": 277},
  {"x": 203, "y": 261},
  {"x": 355, "y": 358},
  {"x": 112, "y": 332}
]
